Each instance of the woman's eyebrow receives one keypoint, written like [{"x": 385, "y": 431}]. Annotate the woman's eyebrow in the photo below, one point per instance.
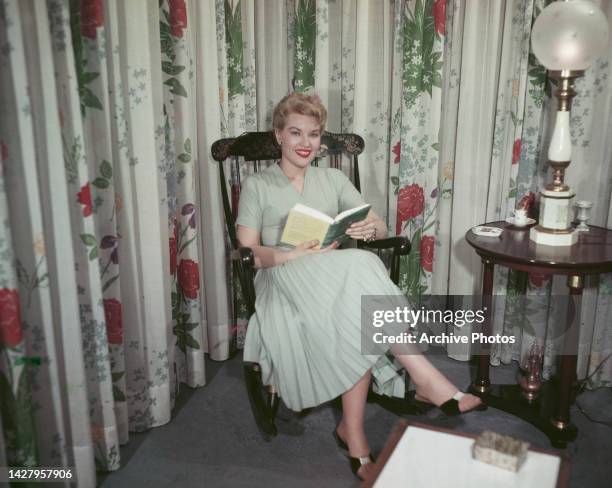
[{"x": 300, "y": 130}]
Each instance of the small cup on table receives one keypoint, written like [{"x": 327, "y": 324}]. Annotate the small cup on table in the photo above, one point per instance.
[{"x": 520, "y": 216}]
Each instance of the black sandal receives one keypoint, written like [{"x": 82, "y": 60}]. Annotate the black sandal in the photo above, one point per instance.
[
  {"x": 451, "y": 407},
  {"x": 355, "y": 462}
]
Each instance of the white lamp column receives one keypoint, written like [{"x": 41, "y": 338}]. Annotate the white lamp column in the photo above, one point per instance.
[{"x": 568, "y": 36}]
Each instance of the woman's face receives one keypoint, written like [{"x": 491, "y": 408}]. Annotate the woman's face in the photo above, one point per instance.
[{"x": 300, "y": 140}]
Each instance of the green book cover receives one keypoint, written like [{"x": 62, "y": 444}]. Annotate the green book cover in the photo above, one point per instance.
[{"x": 306, "y": 223}]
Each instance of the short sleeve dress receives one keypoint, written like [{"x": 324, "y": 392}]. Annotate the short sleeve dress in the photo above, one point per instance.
[{"x": 305, "y": 332}]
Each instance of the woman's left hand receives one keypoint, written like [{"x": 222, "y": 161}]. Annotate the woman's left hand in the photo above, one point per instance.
[{"x": 364, "y": 230}]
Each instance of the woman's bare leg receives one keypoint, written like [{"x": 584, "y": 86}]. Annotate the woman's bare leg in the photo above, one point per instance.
[
  {"x": 430, "y": 383},
  {"x": 350, "y": 429}
]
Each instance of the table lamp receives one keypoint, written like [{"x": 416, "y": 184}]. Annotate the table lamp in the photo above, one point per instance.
[{"x": 567, "y": 37}]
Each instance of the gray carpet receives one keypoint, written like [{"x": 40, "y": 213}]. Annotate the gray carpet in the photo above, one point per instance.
[{"x": 212, "y": 440}]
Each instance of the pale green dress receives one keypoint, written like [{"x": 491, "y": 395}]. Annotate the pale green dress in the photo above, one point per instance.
[{"x": 305, "y": 333}]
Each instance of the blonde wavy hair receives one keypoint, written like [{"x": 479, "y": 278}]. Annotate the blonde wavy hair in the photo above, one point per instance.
[{"x": 299, "y": 103}]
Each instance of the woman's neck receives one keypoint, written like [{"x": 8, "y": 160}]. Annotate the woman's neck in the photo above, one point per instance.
[{"x": 291, "y": 171}]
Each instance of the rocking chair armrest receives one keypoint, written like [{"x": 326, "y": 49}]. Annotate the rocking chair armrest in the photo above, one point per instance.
[
  {"x": 245, "y": 256},
  {"x": 401, "y": 247},
  {"x": 400, "y": 244}
]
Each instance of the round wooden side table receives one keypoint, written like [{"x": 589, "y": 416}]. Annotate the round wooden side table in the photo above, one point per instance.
[{"x": 592, "y": 254}]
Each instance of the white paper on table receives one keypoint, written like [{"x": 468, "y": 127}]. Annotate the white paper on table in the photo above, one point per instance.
[{"x": 425, "y": 458}]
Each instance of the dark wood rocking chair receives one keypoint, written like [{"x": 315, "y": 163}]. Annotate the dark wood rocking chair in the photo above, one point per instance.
[{"x": 255, "y": 147}]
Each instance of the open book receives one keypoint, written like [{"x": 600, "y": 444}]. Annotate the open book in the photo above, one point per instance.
[{"x": 306, "y": 224}]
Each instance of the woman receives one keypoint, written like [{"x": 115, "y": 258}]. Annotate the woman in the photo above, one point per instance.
[{"x": 305, "y": 333}]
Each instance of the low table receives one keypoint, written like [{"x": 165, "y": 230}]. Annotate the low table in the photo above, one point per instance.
[
  {"x": 423, "y": 456},
  {"x": 592, "y": 254}
]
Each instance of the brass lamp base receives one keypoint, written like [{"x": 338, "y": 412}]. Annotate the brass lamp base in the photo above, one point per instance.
[{"x": 557, "y": 184}]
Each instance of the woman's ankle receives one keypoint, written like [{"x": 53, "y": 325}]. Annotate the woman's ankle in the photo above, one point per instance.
[{"x": 355, "y": 438}]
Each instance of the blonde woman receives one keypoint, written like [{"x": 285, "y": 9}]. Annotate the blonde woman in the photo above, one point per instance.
[{"x": 305, "y": 333}]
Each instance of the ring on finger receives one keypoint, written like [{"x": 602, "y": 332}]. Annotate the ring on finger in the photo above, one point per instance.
[{"x": 370, "y": 237}]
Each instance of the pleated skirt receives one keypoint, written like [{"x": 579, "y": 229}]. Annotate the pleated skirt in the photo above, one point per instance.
[{"x": 306, "y": 332}]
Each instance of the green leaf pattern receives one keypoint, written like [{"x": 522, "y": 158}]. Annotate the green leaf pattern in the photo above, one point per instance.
[
  {"x": 17, "y": 424},
  {"x": 233, "y": 42},
  {"x": 169, "y": 45},
  {"x": 182, "y": 307},
  {"x": 422, "y": 62},
  {"x": 305, "y": 43},
  {"x": 88, "y": 98}
]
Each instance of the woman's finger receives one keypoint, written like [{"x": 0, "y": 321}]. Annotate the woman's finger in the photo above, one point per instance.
[
  {"x": 360, "y": 228},
  {"x": 306, "y": 245}
]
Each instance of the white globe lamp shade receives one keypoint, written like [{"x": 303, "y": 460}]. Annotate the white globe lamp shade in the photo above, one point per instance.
[{"x": 569, "y": 35}]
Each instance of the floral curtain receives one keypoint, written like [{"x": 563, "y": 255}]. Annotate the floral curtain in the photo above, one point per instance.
[
  {"x": 102, "y": 313},
  {"x": 114, "y": 278}
]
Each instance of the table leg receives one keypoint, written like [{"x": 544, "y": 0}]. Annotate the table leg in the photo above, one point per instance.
[
  {"x": 570, "y": 348},
  {"x": 482, "y": 383}
]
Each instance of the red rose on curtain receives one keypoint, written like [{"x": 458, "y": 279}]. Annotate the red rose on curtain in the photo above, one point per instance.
[
  {"x": 173, "y": 248},
  {"x": 439, "y": 13},
  {"x": 426, "y": 249},
  {"x": 84, "y": 198},
  {"x": 538, "y": 280},
  {"x": 114, "y": 326},
  {"x": 516, "y": 151},
  {"x": 397, "y": 150},
  {"x": 189, "y": 278},
  {"x": 178, "y": 17},
  {"x": 410, "y": 203},
  {"x": 172, "y": 255},
  {"x": 92, "y": 17},
  {"x": 10, "y": 320}
]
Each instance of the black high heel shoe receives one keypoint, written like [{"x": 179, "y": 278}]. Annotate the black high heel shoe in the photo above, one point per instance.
[{"x": 355, "y": 462}]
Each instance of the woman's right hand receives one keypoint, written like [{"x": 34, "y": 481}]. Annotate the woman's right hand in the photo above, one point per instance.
[{"x": 308, "y": 247}]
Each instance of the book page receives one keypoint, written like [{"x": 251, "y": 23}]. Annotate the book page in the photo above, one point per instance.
[
  {"x": 298, "y": 207},
  {"x": 301, "y": 227}
]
